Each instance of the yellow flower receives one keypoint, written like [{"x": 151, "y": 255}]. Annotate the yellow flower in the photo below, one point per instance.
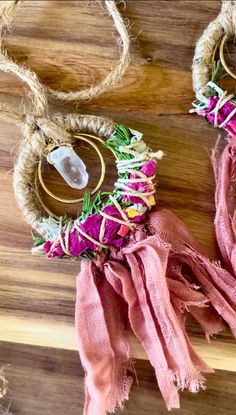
[
  {"x": 152, "y": 200},
  {"x": 132, "y": 212}
]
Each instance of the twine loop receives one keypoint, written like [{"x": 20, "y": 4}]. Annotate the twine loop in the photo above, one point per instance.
[
  {"x": 224, "y": 24},
  {"x": 7, "y": 11}
]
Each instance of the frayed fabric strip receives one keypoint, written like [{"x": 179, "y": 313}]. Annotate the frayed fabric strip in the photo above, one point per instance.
[
  {"x": 225, "y": 219},
  {"x": 153, "y": 282},
  {"x": 102, "y": 343},
  {"x": 216, "y": 283}
]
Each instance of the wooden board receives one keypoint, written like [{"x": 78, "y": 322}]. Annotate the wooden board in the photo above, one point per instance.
[
  {"x": 70, "y": 45},
  {"x": 52, "y": 383}
]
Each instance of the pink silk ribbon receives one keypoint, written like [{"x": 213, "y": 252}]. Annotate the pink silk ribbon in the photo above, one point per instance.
[{"x": 153, "y": 282}]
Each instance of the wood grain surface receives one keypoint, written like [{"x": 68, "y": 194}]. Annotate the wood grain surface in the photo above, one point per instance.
[
  {"x": 52, "y": 383},
  {"x": 71, "y": 44}
]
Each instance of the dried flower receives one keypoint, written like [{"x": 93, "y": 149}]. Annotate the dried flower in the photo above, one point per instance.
[
  {"x": 149, "y": 169},
  {"x": 222, "y": 114}
]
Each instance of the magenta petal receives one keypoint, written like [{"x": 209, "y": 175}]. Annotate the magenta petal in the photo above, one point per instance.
[
  {"x": 141, "y": 187},
  {"x": 112, "y": 227},
  {"x": 47, "y": 246},
  {"x": 144, "y": 187},
  {"x": 91, "y": 226},
  {"x": 52, "y": 254},
  {"x": 231, "y": 126},
  {"x": 138, "y": 218},
  {"x": 149, "y": 168},
  {"x": 112, "y": 210},
  {"x": 222, "y": 114},
  {"x": 212, "y": 103},
  {"x": 118, "y": 242},
  {"x": 77, "y": 245},
  {"x": 134, "y": 200},
  {"x": 53, "y": 249},
  {"x": 58, "y": 250}
]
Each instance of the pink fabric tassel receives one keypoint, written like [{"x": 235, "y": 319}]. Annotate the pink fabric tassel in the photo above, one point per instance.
[
  {"x": 187, "y": 298},
  {"x": 218, "y": 285},
  {"x": 102, "y": 342},
  {"x": 144, "y": 327},
  {"x": 225, "y": 219},
  {"x": 154, "y": 281}
]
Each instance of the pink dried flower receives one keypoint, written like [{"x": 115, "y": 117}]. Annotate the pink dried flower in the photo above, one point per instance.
[
  {"x": 53, "y": 249},
  {"x": 149, "y": 169},
  {"x": 222, "y": 114},
  {"x": 78, "y": 243}
]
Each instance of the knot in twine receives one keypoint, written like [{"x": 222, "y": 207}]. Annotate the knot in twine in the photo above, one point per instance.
[
  {"x": 225, "y": 23},
  {"x": 43, "y": 135}
]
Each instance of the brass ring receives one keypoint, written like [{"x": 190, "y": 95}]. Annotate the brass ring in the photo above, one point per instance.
[
  {"x": 222, "y": 58},
  {"x": 37, "y": 193},
  {"x": 217, "y": 46},
  {"x": 99, "y": 184}
]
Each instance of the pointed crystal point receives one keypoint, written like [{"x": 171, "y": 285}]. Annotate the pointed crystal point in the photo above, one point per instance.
[{"x": 70, "y": 166}]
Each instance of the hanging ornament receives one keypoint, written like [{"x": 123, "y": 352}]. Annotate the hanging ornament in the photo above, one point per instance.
[
  {"x": 219, "y": 109},
  {"x": 139, "y": 265}
]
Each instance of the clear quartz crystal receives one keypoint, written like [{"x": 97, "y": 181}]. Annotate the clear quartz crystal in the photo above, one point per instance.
[{"x": 70, "y": 166}]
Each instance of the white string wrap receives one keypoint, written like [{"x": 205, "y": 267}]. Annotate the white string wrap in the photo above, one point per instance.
[
  {"x": 224, "y": 97},
  {"x": 124, "y": 166}
]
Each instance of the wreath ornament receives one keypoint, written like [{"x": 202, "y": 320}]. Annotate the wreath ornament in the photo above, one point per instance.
[
  {"x": 106, "y": 219},
  {"x": 218, "y": 107},
  {"x": 138, "y": 266}
]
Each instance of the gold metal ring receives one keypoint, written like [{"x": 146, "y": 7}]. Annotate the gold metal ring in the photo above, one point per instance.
[
  {"x": 37, "y": 193},
  {"x": 86, "y": 138},
  {"x": 222, "y": 58},
  {"x": 217, "y": 46}
]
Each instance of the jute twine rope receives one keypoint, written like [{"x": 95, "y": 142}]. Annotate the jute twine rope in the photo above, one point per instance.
[
  {"x": 225, "y": 23},
  {"x": 7, "y": 10},
  {"x": 41, "y": 130}
]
